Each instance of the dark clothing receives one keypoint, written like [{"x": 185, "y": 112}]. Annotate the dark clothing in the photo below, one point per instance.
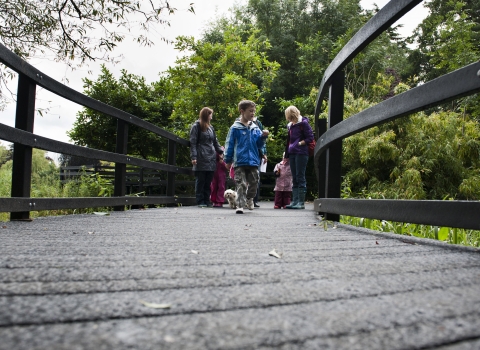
[
  {"x": 204, "y": 150},
  {"x": 282, "y": 198},
  {"x": 203, "y": 179},
  {"x": 300, "y": 131},
  {"x": 298, "y": 166}
]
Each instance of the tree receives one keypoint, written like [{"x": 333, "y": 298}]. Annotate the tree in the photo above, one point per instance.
[
  {"x": 77, "y": 29},
  {"x": 448, "y": 39},
  {"x": 133, "y": 95},
  {"x": 218, "y": 75}
]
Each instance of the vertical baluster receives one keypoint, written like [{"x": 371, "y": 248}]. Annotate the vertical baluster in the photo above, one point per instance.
[
  {"x": 120, "y": 168},
  {"x": 333, "y": 179},
  {"x": 22, "y": 155},
  {"x": 321, "y": 166},
  {"x": 172, "y": 154}
]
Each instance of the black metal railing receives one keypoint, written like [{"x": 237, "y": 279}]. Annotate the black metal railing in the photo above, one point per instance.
[
  {"x": 20, "y": 204},
  {"x": 328, "y": 151}
]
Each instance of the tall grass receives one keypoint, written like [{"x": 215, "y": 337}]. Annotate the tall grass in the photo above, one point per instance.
[{"x": 450, "y": 235}]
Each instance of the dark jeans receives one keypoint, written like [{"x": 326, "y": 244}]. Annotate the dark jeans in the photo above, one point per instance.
[
  {"x": 203, "y": 179},
  {"x": 298, "y": 166}
]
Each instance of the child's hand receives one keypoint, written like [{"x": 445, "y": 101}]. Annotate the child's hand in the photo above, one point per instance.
[
  {"x": 265, "y": 132},
  {"x": 228, "y": 165}
]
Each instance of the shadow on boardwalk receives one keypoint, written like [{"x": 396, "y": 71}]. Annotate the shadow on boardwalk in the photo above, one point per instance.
[{"x": 77, "y": 282}]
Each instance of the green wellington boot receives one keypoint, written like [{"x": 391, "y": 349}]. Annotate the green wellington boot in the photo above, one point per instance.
[
  {"x": 294, "y": 199},
  {"x": 301, "y": 199}
]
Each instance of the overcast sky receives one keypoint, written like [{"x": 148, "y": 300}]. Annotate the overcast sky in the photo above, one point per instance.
[{"x": 147, "y": 62}]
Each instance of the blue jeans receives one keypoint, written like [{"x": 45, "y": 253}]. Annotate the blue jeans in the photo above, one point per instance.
[
  {"x": 298, "y": 166},
  {"x": 203, "y": 179}
]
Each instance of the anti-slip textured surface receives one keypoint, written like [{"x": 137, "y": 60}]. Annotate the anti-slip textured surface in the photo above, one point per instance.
[{"x": 85, "y": 281}]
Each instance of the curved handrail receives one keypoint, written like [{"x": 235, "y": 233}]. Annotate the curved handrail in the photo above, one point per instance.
[
  {"x": 461, "y": 82},
  {"x": 387, "y": 16},
  {"x": 14, "y": 62},
  {"x": 14, "y": 135}
]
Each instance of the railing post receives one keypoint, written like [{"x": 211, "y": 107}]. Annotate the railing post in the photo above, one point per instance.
[
  {"x": 22, "y": 155},
  {"x": 333, "y": 171},
  {"x": 321, "y": 128},
  {"x": 120, "y": 168},
  {"x": 172, "y": 156}
]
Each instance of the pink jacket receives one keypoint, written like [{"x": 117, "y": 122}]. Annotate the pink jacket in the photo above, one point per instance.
[{"x": 284, "y": 181}]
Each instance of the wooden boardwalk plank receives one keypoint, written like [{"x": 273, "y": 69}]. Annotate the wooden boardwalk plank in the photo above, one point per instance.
[{"x": 76, "y": 282}]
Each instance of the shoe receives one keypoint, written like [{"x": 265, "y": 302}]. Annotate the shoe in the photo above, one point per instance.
[
  {"x": 276, "y": 207},
  {"x": 239, "y": 211},
  {"x": 218, "y": 205},
  {"x": 250, "y": 204},
  {"x": 256, "y": 205},
  {"x": 202, "y": 205},
  {"x": 209, "y": 205}
]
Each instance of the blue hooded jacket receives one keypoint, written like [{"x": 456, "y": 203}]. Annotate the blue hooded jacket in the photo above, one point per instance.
[{"x": 242, "y": 144}]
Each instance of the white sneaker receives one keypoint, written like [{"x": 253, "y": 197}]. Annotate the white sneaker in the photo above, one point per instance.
[
  {"x": 250, "y": 204},
  {"x": 239, "y": 211}
]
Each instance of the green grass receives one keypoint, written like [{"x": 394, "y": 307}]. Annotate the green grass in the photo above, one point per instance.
[{"x": 450, "y": 235}]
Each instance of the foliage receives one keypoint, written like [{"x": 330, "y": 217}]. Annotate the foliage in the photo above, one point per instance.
[
  {"x": 133, "y": 95},
  {"x": 83, "y": 30},
  {"x": 46, "y": 183},
  {"x": 5, "y": 154},
  {"x": 447, "y": 38},
  {"x": 218, "y": 75},
  {"x": 302, "y": 34},
  {"x": 449, "y": 235},
  {"x": 420, "y": 157}
]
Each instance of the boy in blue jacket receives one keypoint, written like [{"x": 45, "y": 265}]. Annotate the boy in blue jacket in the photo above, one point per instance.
[{"x": 241, "y": 149}]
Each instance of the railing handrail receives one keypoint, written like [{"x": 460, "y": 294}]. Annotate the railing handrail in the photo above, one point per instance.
[
  {"x": 383, "y": 19},
  {"x": 328, "y": 151},
  {"x": 437, "y": 91},
  {"x": 15, "y": 63},
  {"x": 20, "y": 203}
]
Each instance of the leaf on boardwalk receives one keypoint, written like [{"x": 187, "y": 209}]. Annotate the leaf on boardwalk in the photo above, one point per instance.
[
  {"x": 274, "y": 253},
  {"x": 194, "y": 251},
  {"x": 91, "y": 233},
  {"x": 100, "y": 213},
  {"x": 155, "y": 305}
]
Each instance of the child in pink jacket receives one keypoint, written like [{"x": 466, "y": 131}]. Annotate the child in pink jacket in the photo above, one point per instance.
[
  {"x": 217, "y": 187},
  {"x": 283, "y": 184}
]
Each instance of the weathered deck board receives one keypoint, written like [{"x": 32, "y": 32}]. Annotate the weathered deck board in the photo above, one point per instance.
[{"x": 62, "y": 287}]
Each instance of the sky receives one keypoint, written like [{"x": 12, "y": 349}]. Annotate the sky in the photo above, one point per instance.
[{"x": 60, "y": 114}]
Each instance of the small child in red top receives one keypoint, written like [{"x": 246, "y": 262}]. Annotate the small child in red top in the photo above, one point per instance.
[
  {"x": 283, "y": 184},
  {"x": 217, "y": 186}
]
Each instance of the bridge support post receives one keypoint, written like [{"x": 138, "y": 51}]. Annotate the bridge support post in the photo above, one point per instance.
[
  {"x": 172, "y": 155},
  {"x": 22, "y": 155},
  {"x": 321, "y": 128},
  {"x": 120, "y": 169},
  {"x": 333, "y": 173}
]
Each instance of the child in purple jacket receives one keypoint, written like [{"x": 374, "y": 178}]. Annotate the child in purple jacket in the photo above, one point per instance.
[{"x": 283, "y": 184}]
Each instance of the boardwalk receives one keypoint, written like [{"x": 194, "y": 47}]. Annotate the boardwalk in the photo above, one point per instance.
[{"x": 85, "y": 281}]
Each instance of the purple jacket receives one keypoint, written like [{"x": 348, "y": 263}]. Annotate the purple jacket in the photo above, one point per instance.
[{"x": 300, "y": 131}]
